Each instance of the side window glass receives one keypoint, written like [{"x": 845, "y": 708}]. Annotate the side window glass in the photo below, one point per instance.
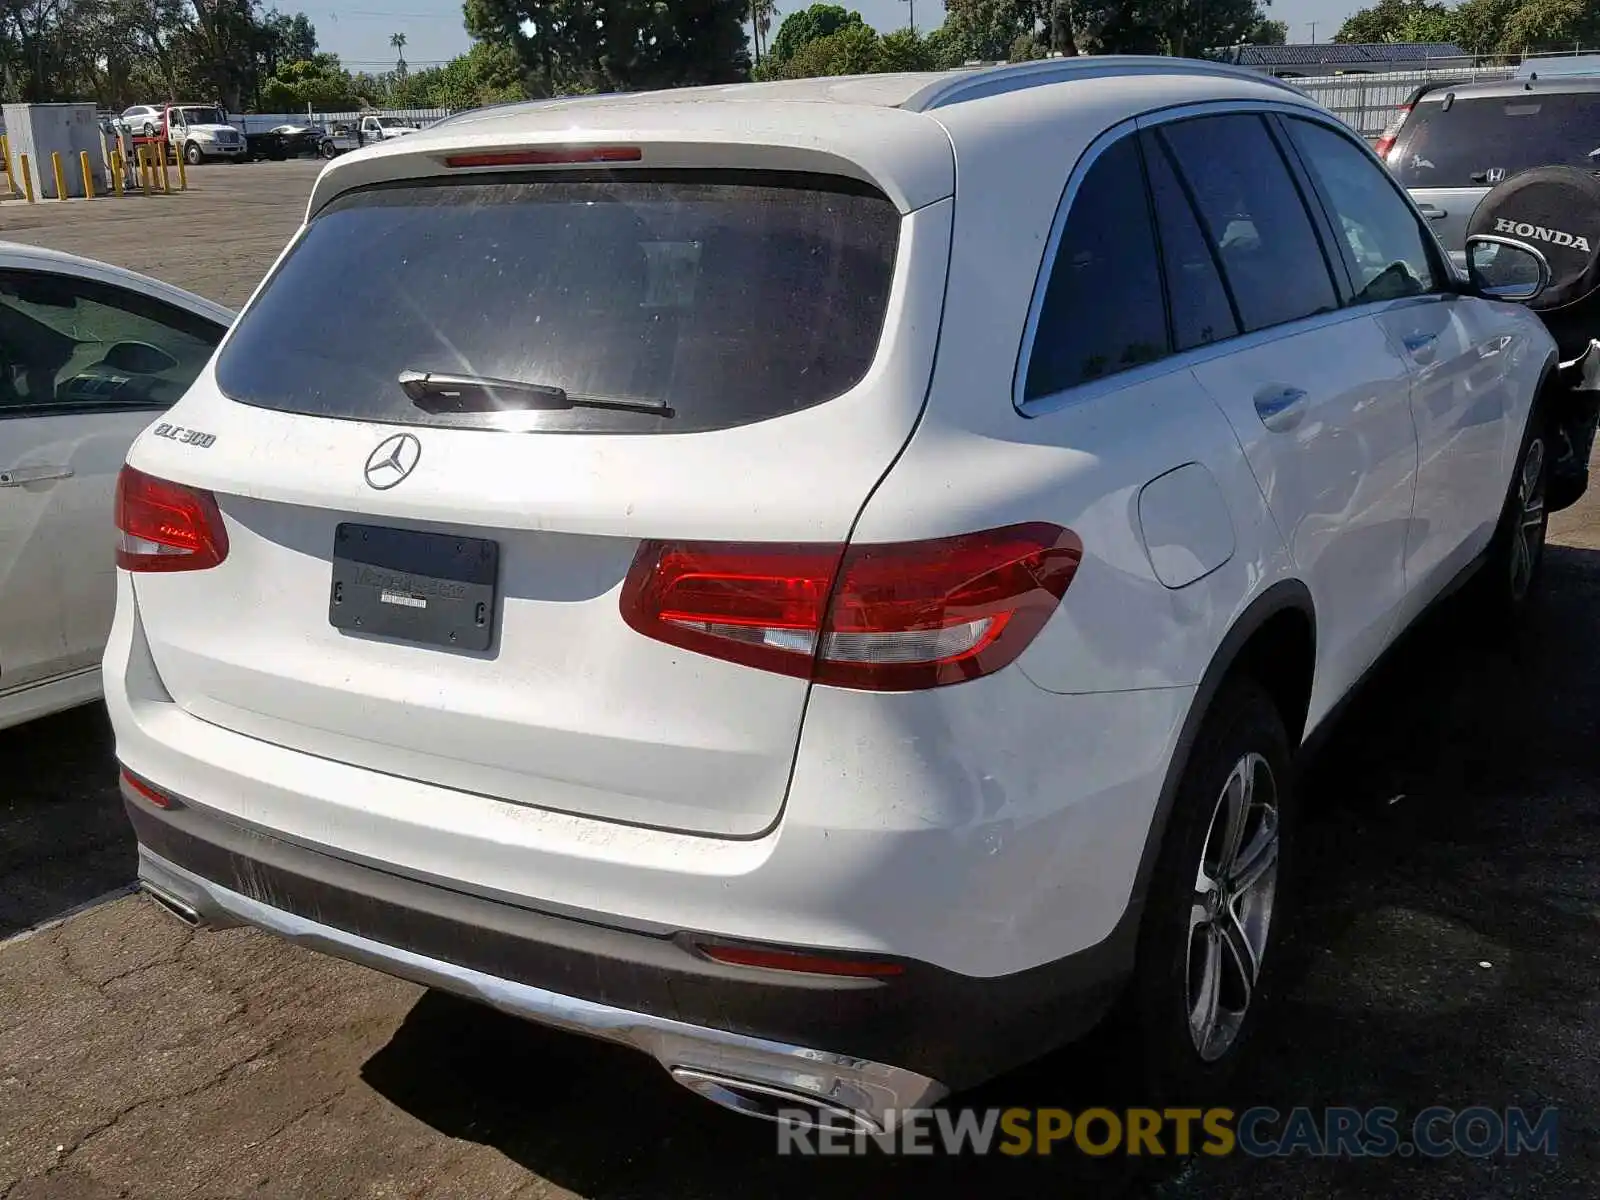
[
  {"x": 68, "y": 343},
  {"x": 1103, "y": 310},
  {"x": 1380, "y": 237},
  {"x": 1202, "y": 310},
  {"x": 1253, "y": 217}
]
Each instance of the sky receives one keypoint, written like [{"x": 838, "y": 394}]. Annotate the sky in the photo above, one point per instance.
[{"x": 360, "y": 35}]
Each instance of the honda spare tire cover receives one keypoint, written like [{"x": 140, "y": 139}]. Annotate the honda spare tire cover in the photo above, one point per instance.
[{"x": 1556, "y": 210}]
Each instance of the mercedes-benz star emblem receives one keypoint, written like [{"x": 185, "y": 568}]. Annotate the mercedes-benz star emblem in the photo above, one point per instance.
[{"x": 394, "y": 459}]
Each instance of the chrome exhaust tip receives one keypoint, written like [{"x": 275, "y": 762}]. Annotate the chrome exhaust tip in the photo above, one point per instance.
[
  {"x": 174, "y": 907},
  {"x": 752, "y": 1099}
]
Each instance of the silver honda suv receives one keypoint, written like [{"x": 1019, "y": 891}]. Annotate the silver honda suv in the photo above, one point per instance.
[{"x": 1453, "y": 142}]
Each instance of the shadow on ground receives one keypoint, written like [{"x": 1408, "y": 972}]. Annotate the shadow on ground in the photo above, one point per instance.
[
  {"x": 1445, "y": 952},
  {"x": 63, "y": 837}
]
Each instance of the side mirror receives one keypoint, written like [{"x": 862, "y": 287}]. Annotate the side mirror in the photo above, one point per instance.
[{"x": 1501, "y": 268}]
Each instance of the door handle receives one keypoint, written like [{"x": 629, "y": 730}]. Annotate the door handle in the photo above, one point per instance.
[
  {"x": 1420, "y": 345},
  {"x": 1432, "y": 213},
  {"x": 1278, "y": 407},
  {"x": 17, "y": 476}
]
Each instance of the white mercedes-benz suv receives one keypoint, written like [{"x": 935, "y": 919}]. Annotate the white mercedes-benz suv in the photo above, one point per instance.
[{"x": 823, "y": 582}]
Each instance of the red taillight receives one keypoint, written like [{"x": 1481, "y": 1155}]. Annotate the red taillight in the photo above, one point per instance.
[
  {"x": 807, "y": 964},
  {"x": 1391, "y": 131},
  {"x": 547, "y": 157},
  {"x": 140, "y": 787},
  {"x": 166, "y": 526},
  {"x": 892, "y": 617}
]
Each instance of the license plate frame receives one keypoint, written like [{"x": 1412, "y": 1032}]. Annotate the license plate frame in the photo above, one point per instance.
[{"x": 438, "y": 590}]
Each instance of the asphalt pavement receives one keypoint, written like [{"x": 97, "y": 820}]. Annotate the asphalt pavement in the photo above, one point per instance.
[{"x": 1446, "y": 948}]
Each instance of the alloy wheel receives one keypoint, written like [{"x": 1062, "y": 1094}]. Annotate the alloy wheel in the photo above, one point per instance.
[
  {"x": 1231, "y": 911},
  {"x": 1527, "y": 537}
]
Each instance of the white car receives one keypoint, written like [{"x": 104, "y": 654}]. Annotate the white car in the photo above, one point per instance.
[
  {"x": 822, "y": 582},
  {"x": 142, "y": 120},
  {"x": 89, "y": 356}
]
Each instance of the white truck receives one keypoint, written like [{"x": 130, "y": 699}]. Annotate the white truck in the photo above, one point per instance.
[
  {"x": 376, "y": 128},
  {"x": 202, "y": 131}
]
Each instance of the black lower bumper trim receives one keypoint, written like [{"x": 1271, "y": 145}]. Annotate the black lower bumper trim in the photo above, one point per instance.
[{"x": 955, "y": 1028}]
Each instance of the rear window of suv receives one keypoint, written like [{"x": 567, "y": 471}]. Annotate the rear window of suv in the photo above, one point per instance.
[
  {"x": 1479, "y": 141},
  {"x": 729, "y": 298}
]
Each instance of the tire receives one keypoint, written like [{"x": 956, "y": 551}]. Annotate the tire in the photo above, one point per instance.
[
  {"x": 327, "y": 150},
  {"x": 149, "y": 129},
  {"x": 1214, "y": 916},
  {"x": 192, "y": 155},
  {"x": 1512, "y": 568}
]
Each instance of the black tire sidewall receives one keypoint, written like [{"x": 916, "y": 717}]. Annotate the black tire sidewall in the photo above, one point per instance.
[
  {"x": 192, "y": 155},
  {"x": 1242, "y": 719}
]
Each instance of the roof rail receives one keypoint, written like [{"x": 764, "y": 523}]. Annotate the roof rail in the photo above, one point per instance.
[{"x": 972, "y": 84}]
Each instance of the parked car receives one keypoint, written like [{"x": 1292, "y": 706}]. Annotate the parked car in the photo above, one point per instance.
[
  {"x": 89, "y": 356},
  {"x": 143, "y": 120},
  {"x": 831, "y": 599},
  {"x": 298, "y": 140},
  {"x": 1451, "y": 143}
]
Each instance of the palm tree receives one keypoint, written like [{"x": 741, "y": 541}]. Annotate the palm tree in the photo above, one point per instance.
[
  {"x": 762, "y": 13},
  {"x": 398, "y": 41}
]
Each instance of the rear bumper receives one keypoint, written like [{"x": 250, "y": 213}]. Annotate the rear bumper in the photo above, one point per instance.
[
  {"x": 755, "y": 1075},
  {"x": 867, "y": 1046}
]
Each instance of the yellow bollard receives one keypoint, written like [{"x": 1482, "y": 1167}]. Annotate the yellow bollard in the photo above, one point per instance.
[
  {"x": 183, "y": 176},
  {"x": 88, "y": 175},
  {"x": 166, "y": 179},
  {"x": 27, "y": 178},
  {"x": 116, "y": 172},
  {"x": 61, "y": 175}
]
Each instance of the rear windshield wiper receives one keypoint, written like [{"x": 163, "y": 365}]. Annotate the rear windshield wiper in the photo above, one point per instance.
[{"x": 441, "y": 392}]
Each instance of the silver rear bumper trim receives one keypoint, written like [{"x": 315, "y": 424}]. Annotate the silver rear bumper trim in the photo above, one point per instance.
[{"x": 874, "y": 1093}]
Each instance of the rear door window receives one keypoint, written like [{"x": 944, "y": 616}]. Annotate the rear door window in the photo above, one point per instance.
[
  {"x": 723, "y": 298},
  {"x": 1480, "y": 141},
  {"x": 1254, "y": 218},
  {"x": 1202, "y": 311}
]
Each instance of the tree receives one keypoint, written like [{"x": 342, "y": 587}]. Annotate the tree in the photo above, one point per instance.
[
  {"x": 617, "y": 45},
  {"x": 1400, "y": 21},
  {"x": 1479, "y": 26},
  {"x": 903, "y": 50},
  {"x": 810, "y": 24},
  {"x": 1181, "y": 28},
  {"x": 1268, "y": 33},
  {"x": 318, "y": 83},
  {"x": 486, "y": 74},
  {"x": 852, "y": 51},
  {"x": 762, "y": 13},
  {"x": 1551, "y": 25},
  {"x": 398, "y": 41}
]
